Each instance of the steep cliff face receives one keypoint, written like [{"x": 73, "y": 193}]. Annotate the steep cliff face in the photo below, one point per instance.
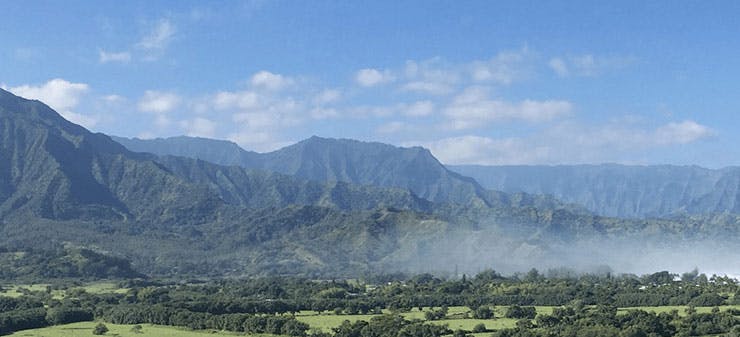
[{"x": 324, "y": 159}]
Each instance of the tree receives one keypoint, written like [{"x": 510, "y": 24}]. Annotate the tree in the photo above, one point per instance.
[
  {"x": 483, "y": 312},
  {"x": 100, "y": 329}
]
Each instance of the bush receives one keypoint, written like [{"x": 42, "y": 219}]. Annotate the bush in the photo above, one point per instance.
[
  {"x": 518, "y": 312},
  {"x": 479, "y": 328},
  {"x": 100, "y": 329},
  {"x": 483, "y": 312}
]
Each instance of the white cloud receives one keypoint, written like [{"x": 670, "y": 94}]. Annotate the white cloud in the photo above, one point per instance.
[
  {"x": 473, "y": 108},
  {"x": 504, "y": 68},
  {"x": 567, "y": 143},
  {"x": 113, "y": 98},
  {"x": 61, "y": 95},
  {"x": 199, "y": 127},
  {"x": 472, "y": 149},
  {"x": 323, "y": 113},
  {"x": 588, "y": 65},
  {"x": 428, "y": 87},
  {"x": 419, "y": 109},
  {"x": 158, "y": 101},
  {"x": 559, "y": 67},
  {"x": 327, "y": 96},
  {"x": 121, "y": 57},
  {"x": 267, "y": 80},
  {"x": 391, "y": 127},
  {"x": 371, "y": 77},
  {"x": 433, "y": 77},
  {"x": 236, "y": 100},
  {"x": 257, "y": 141},
  {"x": 682, "y": 133},
  {"x": 159, "y": 37}
]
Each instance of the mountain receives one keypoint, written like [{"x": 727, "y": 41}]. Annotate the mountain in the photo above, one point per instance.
[
  {"x": 620, "y": 190},
  {"x": 211, "y": 150},
  {"x": 63, "y": 186},
  {"x": 326, "y": 159}
]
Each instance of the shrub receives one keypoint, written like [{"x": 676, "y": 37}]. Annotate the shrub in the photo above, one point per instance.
[{"x": 100, "y": 329}]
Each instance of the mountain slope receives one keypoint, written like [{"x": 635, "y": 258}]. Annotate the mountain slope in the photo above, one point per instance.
[
  {"x": 618, "y": 190},
  {"x": 62, "y": 185},
  {"x": 324, "y": 159},
  {"x": 58, "y": 170}
]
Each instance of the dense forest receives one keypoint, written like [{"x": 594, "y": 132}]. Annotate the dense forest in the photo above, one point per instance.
[{"x": 584, "y": 303}]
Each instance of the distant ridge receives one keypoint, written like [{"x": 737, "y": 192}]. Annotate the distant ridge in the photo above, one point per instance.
[
  {"x": 621, "y": 190},
  {"x": 328, "y": 159}
]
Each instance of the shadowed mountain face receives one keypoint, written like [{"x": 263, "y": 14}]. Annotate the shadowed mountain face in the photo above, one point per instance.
[
  {"x": 323, "y": 159},
  {"x": 618, "y": 190}
]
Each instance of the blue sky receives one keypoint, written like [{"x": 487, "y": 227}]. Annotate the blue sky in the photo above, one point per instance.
[{"x": 489, "y": 82}]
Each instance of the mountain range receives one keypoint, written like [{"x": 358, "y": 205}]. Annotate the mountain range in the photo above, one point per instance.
[
  {"x": 323, "y": 159},
  {"x": 621, "y": 190},
  {"x": 320, "y": 207},
  {"x": 608, "y": 189}
]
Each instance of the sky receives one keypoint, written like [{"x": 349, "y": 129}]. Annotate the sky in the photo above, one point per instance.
[{"x": 476, "y": 82}]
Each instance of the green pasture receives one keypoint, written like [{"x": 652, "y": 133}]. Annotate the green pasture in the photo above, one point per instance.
[
  {"x": 84, "y": 329},
  {"x": 456, "y": 318},
  {"x": 17, "y": 290}
]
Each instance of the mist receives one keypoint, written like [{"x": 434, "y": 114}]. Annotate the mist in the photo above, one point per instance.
[{"x": 461, "y": 252}]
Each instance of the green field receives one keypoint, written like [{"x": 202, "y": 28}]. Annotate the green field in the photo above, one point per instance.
[
  {"x": 681, "y": 309},
  {"x": 456, "y": 318},
  {"x": 324, "y": 322},
  {"x": 85, "y": 329},
  {"x": 17, "y": 290}
]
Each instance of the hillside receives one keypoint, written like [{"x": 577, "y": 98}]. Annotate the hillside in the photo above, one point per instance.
[
  {"x": 619, "y": 190},
  {"x": 62, "y": 185},
  {"x": 326, "y": 159}
]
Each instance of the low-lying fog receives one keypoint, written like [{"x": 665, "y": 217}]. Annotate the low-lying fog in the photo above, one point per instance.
[{"x": 470, "y": 254}]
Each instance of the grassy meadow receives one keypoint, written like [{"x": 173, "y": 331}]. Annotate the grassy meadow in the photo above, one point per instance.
[{"x": 85, "y": 329}]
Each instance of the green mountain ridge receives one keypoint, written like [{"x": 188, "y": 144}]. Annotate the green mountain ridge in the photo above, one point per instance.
[
  {"x": 325, "y": 159},
  {"x": 62, "y": 185}
]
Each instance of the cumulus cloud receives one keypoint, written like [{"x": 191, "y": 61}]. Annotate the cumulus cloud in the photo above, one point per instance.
[
  {"x": 682, "y": 133},
  {"x": 370, "y": 77},
  {"x": 419, "y": 109},
  {"x": 158, "y": 101},
  {"x": 567, "y": 143},
  {"x": 236, "y": 100},
  {"x": 428, "y": 87},
  {"x": 432, "y": 77},
  {"x": 504, "y": 68},
  {"x": 588, "y": 65},
  {"x": 474, "y": 108},
  {"x": 121, "y": 57},
  {"x": 327, "y": 96},
  {"x": 159, "y": 36},
  {"x": 61, "y": 95},
  {"x": 267, "y": 80},
  {"x": 199, "y": 127},
  {"x": 471, "y": 149}
]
